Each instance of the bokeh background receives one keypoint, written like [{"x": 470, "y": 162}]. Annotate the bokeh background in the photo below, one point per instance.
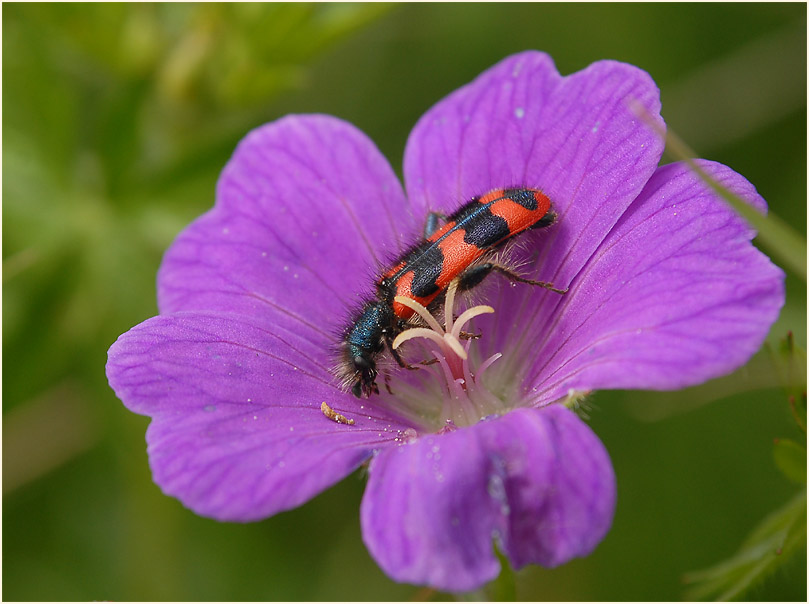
[{"x": 116, "y": 122}]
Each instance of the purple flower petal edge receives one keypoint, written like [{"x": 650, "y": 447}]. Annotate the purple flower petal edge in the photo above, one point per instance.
[
  {"x": 537, "y": 481},
  {"x": 237, "y": 432},
  {"x": 675, "y": 294},
  {"x": 305, "y": 208},
  {"x": 521, "y": 123}
]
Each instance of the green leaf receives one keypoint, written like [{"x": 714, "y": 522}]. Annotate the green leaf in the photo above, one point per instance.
[
  {"x": 767, "y": 548},
  {"x": 790, "y": 457}
]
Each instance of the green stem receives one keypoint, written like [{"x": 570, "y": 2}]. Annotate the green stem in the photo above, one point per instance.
[{"x": 796, "y": 415}]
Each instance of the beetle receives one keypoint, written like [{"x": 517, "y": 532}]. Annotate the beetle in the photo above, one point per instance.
[{"x": 461, "y": 248}]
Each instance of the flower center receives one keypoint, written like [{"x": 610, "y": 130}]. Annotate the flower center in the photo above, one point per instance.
[{"x": 447, "y": 390}]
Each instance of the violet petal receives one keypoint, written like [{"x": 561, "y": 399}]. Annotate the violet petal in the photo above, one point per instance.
[
  {"x": 675, "y": 295},
  {"x": 537, "y": 480},
  {"x": 521, "y": 123},
  {"x": 237, "y": 430},
  {"x": 306, "y": 210}
]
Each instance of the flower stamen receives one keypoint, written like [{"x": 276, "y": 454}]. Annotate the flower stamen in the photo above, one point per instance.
[
  {"x": 444, "y": 337},
  {"x": 465, "y": 399},
  {"x": 421, "y": 310}
]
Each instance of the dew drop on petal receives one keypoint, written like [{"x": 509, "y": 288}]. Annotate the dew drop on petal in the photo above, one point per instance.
[
  {"x": 497, "y": 491},
  {"x": 495, "y": 487},
  {"x": 209, "y": 408},
  {"x": 519, "y": 113}
]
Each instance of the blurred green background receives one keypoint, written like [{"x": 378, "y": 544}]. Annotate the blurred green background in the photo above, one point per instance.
[{"x": 116, "y": 122}]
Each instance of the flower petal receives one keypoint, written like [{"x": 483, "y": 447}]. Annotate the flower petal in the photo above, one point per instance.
[
  {"x": 537, "y": 480},
  {"x": 521, "y": 123},
  {"x": 306, "y": 209},
  {"x": 675, "y": 295},
  {"x": 237, "y": 431}
]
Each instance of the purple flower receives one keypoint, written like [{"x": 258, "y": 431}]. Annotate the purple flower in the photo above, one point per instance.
[{"x": 664, "y": 291}]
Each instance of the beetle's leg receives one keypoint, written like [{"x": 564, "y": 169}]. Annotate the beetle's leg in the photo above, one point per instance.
[
  {"x": 396, "y": 355},
  {"x": 474, "y": 275},
  {"x": 546, "y": 221},
  {"x": 401, "y": 361},
  {"x": 434, "y": 220}
]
